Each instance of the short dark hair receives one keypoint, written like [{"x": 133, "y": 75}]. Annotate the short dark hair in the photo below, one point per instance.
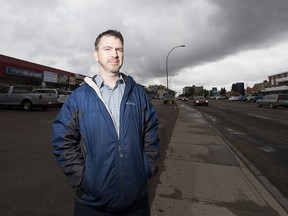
[{"x": 113, "y": 33}]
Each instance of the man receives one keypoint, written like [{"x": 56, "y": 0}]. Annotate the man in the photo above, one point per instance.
[{"x": 105, "y": 138}]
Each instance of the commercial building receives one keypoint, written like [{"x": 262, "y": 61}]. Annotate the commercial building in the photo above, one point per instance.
[
  {"x": 23, "y": 73},
  {"x": 259, "y": 87},
  {"x": 240, "y": 88},
  {"x": 192, "y": 90},
  {"x": 280, "y": 79},
  {"x": 277, "y": 83}
]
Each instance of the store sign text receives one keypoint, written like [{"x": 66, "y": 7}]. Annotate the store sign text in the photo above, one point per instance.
[{"x": 23, "y": 73}]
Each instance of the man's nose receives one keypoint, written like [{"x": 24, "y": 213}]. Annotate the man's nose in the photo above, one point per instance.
[{"x": 114, "y": 53}]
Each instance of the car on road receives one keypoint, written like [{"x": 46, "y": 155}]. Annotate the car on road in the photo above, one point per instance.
[
  {"x": 273, "y": 100},
  {"x": 200, "y": 101}
]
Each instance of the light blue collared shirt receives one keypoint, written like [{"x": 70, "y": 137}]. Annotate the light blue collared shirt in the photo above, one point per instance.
[{"x": 112, "y": 97}]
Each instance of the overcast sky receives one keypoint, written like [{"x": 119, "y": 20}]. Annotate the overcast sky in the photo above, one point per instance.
[{"x": 227, "y": 41}]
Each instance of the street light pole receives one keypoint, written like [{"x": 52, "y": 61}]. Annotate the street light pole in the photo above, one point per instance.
[
  {"x": 167, "y": 64},
  {"x": 171, "y": 79}
]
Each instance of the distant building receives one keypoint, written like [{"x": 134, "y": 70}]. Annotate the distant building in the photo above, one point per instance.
[
  {"x": 214, "y": 91},
  {"x": 197, "y": 89},
  {"x": 192, "y": 90},
  {"x": 258, "y": 87},
  {"x": 250, "y": 90},
  {"x": 186, "y": 89},
  {"x": 280, "y": 79},
  {"x": 240, "y": 88},
  {"x": 276, "y": 90}
]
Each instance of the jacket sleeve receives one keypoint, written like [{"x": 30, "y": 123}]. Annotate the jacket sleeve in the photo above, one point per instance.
[
  {"x": 66, "y": 141},
  {"x": 151, "y": 138}
]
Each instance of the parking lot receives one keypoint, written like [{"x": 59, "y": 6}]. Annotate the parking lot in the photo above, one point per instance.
[{"x": 31, "y": 182}]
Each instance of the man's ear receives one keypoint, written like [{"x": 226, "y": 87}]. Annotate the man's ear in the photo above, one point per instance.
[{"x": 96, "y": 56}]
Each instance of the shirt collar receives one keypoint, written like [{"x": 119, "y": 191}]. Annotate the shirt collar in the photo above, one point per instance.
[{"x": 100, "y": 82}]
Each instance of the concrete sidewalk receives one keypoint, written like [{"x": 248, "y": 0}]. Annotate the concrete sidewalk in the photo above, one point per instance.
[{"x": 203, "y": 177}]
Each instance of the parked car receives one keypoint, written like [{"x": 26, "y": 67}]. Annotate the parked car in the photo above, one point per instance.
[
  {"x": 200, "y": 101},
  {"x": 61, "y": 94},
  {"x": 234, "y": 98},
  {"x": 273, "y": 100},
  {"x": 243, "y": 98},
  {"x": 253, "y": 98},
  {"x": 257, "y": 97},
  {"x": 22, "y": 96},
  {"x": 220, "y": 97}
]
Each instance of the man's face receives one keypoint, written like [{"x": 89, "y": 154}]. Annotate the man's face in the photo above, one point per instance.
[{"x": 109, "y": 54}]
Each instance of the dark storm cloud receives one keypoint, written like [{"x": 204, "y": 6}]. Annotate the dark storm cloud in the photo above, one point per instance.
[
  {"x": 248, "y": 24},
  {"x": 229, "y": 28}
]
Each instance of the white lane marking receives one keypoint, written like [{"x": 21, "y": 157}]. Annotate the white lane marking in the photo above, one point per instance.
[{"x": 262, "y": 117}]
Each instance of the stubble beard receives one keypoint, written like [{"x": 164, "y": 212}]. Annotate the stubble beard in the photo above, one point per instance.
[{"x": 115, "y": 69}]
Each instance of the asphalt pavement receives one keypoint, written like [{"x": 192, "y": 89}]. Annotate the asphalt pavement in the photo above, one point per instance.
[{"x": 202, "y": 176}]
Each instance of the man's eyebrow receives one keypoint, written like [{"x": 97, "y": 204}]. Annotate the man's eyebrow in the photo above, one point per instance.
[
  {"x": 107, "y": 47},
  {"x": 110, "y": 47}
]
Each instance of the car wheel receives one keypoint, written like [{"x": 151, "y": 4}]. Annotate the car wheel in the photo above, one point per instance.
[
  {"x": 258, "y": 104},
  {"x": 27, "y": 105}
]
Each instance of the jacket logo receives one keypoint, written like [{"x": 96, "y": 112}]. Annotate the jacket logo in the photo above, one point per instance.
[{"x": 130, "y": 103}]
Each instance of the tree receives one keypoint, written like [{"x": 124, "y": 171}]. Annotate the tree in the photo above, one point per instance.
[
  {"x": 223, "y": 91},
  {"x": 205, "y": 93},
  {"x": 153, "y": 90}
]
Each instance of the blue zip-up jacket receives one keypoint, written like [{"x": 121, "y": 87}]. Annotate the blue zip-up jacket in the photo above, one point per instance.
[{"x": 108, "y": 171}]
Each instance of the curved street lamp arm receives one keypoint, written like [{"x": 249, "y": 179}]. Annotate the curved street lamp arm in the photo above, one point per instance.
[{"x": 167, "y": 63}]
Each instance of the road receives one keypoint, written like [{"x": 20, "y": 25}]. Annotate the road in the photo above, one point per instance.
[{"x": 260, "y": 134}]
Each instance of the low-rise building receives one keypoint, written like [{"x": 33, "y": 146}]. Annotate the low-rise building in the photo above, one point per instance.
[
  {"x": 192, "y": 90},
  {"x": 23, "y": 73},
  {"x": 259, "y": 87},
  {"x": 280, "y": 79}
]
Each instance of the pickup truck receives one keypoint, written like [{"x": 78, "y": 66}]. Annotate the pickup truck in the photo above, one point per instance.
[{"x": 25, "y": 97}]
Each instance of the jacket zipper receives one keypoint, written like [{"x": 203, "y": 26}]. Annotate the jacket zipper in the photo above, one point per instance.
[{"x": 120, "y": 151}]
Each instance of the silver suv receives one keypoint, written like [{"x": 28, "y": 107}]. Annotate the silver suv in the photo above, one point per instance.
[{"x": 273, "y": 100}]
